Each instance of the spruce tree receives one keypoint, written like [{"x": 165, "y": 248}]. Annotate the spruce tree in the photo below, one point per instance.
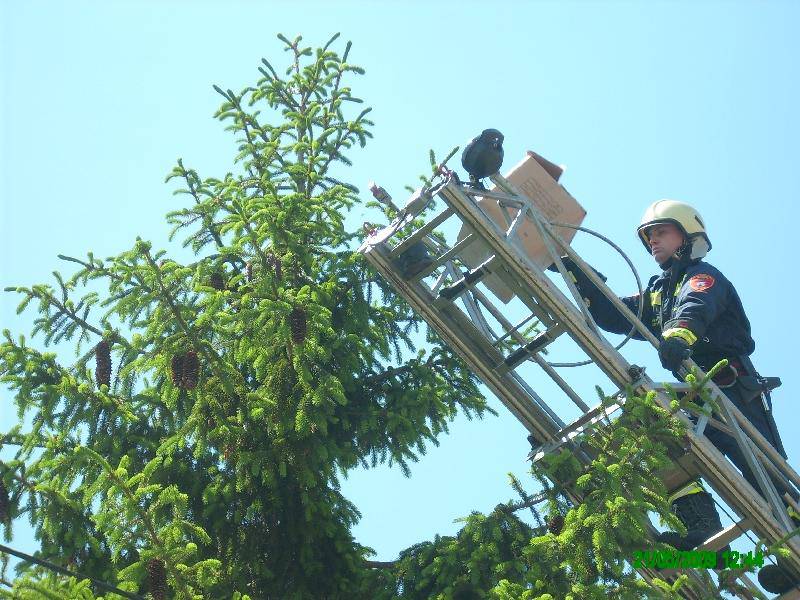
[
  {"x": 577, "y": 552},
  {"x": 196, "y": 451}
]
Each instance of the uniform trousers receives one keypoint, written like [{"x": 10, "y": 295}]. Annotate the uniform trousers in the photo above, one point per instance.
[{"x": 752, "y": 407}]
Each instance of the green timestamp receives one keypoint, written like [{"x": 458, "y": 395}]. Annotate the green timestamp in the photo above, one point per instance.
[
  {"x": 739, "y": 560},
  {"x": 674, "y": 559},
  {"x": 695, "y": 559}
]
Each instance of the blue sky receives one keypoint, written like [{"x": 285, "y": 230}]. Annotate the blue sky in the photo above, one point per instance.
[{"x": 688, "y": 100}]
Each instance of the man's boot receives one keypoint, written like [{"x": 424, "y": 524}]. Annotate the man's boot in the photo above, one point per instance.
[
  {"x": 777, "y": 579},
  {"x": 698, "y": 513}
]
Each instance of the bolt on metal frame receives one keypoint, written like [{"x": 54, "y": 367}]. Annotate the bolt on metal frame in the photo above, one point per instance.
[{"x": 469, "y": 334}]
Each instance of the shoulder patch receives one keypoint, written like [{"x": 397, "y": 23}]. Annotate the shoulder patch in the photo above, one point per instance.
[{"x": 701, "y": 283}]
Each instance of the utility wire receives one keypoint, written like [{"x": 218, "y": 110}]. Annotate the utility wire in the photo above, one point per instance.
[{"x": 53, "y": 567}]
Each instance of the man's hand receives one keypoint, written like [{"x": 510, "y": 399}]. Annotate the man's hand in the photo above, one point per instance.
[{"x": 673, "y": 351}]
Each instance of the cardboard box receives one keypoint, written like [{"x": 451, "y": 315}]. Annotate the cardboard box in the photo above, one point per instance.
[{"x": 537, "y": 178}]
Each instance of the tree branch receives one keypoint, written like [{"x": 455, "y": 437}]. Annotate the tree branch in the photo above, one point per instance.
[
  {"x": 212, "y": 357},
  {"x": 54, "y": 567},
  {"x": 392, "y": 372},
  {"x": 378, "y": 564}
]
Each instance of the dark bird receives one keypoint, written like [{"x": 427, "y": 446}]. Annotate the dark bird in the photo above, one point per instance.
[{"x": 483, "y": 156}]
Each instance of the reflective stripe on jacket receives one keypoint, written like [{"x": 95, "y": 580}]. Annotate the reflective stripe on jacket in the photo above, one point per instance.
[{"x": 701, "y": 299}]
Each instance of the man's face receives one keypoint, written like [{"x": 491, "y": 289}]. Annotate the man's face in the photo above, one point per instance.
[{"x": 664, "y": 240}]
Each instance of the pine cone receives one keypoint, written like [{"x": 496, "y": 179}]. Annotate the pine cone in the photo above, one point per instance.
[
  {"x": 217, "y": 282},
  {"x": 102, "y": 372},
  {"x": 466, "y": 591},
  {"x": 555, "y": 524},
  {"x": 339, "y": 310},
  {"x": 592, "y": 573},
  {"x": 177, "y": 369},
  {"x": 298, "y": 325},
  {"x": 5, "y": 513},
  {"x": 249, "y": 271},
  {"x": 191, "y": 370},
  {"x": 157, "y": 579},
  {"x": 275, "y": 262}
]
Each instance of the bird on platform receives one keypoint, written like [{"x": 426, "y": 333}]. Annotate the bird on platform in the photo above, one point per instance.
[{"x": 483, "y": 156}]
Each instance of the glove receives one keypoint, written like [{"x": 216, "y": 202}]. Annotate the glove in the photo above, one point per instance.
[{"x": 672, "y": 352}]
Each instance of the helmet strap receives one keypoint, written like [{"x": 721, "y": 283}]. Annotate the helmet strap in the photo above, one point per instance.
[
  {"x": 682, "y": 256},
  {"x": 685, "y": 251}
]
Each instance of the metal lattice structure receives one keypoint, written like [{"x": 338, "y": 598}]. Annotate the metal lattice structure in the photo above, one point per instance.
[{"x": 494, "y": 348}]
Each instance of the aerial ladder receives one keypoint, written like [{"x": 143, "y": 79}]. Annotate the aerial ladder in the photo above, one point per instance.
[{"x": 493, "y": 248}]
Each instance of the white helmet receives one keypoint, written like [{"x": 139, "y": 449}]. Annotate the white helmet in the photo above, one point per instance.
[{"x": 684, "y": 217}]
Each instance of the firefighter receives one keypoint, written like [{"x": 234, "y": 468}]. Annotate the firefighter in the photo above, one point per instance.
[{"x": 696, "y": 312}]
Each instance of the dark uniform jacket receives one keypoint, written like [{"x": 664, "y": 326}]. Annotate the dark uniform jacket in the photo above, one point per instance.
[{"x": 694, "y": 296}]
